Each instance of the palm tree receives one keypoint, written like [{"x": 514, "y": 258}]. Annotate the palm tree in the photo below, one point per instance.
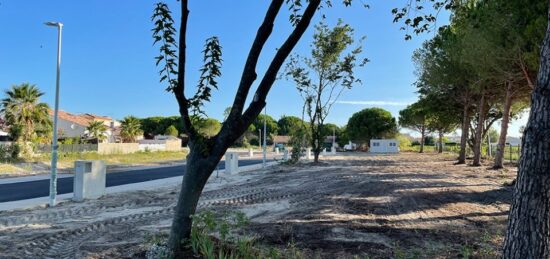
[
  {"x": 130, "y": 129},
  {"x": 97, "y": 129},
  {"x": 24, "y": 113}
]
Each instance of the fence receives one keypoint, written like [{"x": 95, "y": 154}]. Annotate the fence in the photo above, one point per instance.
[
  {"x": 511, "y": 152},
  {"x": 67, "y": 148}
]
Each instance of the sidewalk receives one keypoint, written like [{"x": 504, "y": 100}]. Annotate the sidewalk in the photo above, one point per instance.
[{"x": 149, "y": 185}]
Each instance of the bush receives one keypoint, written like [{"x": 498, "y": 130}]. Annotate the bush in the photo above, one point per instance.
[
  {"x": 404, "y": 141},
  {"x": 9, "y": 153},
  {"x": 254, "y": 141},
  {"x": 171, "y": 131},
  {"x": 298, "y": 140}
]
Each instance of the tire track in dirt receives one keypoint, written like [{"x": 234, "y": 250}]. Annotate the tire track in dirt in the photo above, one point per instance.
[
  {"x": 65, "y": 244},
  {"x": 312, "y": 192}
]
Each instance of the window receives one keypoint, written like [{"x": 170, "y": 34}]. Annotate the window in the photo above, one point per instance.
[{"x": 375, "y": 144}]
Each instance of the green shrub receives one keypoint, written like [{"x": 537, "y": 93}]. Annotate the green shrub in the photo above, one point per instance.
[
  {"x": 9, "y": 153},
  {"x": 171, "y": 131}
]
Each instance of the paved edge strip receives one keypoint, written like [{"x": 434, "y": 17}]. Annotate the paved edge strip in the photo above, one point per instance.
[{"x": 42, "y": 202}]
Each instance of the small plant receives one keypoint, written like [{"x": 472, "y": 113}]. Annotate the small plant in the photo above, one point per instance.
[
  {"x": 399, "y": 253},
  {"x": 205, "y": 225},
  {"x": 158, "y": 248},
  {"x": 467, "y": 251}
]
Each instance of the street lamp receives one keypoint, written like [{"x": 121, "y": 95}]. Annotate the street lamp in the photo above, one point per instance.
[
  {"x": 265, "y": 138},
  {"x": 53, "y": 178}
]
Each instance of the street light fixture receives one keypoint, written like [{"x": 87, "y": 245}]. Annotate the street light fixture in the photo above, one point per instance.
[{"x": 53, "y": 177}]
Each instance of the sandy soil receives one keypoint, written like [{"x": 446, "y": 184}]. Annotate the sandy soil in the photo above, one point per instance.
[{"x": 401, "y": 206}]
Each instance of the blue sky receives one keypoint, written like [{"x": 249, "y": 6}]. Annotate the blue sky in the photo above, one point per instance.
[{"x": 108, "y": 58}]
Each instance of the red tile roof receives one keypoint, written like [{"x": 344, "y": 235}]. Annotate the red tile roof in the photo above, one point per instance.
[{"x": 80, "y": 119}]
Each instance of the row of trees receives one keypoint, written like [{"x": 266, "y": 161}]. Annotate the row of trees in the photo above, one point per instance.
[
  {"x": 28, "y": 120},
  {"x": 500, "y": 51},
  {"x": 478, "y": 70}
]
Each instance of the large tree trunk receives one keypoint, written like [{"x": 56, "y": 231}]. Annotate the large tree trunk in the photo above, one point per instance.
[
  {"x": 499, "y": 156},
  {"x": 422, "y": 137},
  {"x": 528, "y": 234},
  {"x": 479, "y": 132},
  {"x": 440, "y": 150},
  {"x": 465, "y": 134},
  {"x": 198, "y": 170}
]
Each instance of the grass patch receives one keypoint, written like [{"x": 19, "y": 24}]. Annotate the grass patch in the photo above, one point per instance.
[
  {"x": 141, "y": 157},
  {"x": 9, "y": 168},
  {"x": 222, "y": 236}
]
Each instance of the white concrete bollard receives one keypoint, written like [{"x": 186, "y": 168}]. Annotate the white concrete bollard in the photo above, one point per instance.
[
  {"x": 276, "y": 151},
  {"x": 250, "y": 152},
  {"x": 285, "y": 155},
  {"x": 324, "y": 151},
  {"x": 308, "y": 153},
  {"x": 333, "y": 150},
  {"x": 89, "y": 179},
  {"x": 231, "y": 163}
]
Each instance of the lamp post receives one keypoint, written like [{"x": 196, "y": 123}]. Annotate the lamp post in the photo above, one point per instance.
[
  {"x": 53, "y": 178},
  {"x": 265, "y": 138}
]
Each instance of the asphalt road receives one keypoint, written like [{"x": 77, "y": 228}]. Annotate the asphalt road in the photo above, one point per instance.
[{"x": 40, "y": 188}]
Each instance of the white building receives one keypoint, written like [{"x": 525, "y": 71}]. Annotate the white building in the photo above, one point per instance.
[
  {"x": 384, "y": 146},
  {"x": 74, "y": 125}
]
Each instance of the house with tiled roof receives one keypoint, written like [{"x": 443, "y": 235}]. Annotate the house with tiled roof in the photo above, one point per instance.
[{"x": 71, "y": 125}]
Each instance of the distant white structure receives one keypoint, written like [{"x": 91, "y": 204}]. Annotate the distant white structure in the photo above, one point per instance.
[
  {"x": 350, "y": 146},
  {"x": 384, "y": 146}
]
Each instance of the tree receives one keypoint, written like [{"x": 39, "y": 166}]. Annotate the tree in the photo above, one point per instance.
[
  {"x": 130, "y": 129},
  {"x": 493, "y": 135},
  {"x": 330, "y": 128},
  {"x": 171, "y": 131},
  {"x": 208, "y": 127},
  {"x": 371, "y": 123},
  {"x": 96, "y": 130},
  {"x": 25, "y": 115},
  {"x": 322, "y": 77},
  {"x": 158, "y": 125},
  {"x": 206, "y": 152},
  {"x": 288, "y": 124},
  {"x": 415, "y": 117},
  {"x": 442, "y": 73},
  {"x": 271, "y": 124},
  {"x": 442, "y": 117},
  {"x": 528, "y": 233}
]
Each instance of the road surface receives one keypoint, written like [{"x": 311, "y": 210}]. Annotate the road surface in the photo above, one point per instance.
[{"x": 40, "y": 188}]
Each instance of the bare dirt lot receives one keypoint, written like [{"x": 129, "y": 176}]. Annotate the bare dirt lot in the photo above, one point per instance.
[{"x": 400, "y": 206}]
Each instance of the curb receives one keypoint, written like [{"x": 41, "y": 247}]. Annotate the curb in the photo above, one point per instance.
[{"x": 42, "y": 202}]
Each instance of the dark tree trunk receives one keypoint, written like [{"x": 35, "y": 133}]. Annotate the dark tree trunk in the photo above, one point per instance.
[
  {"x": 528, "y": 234},
  {"x": 200, "y": 165},
  {"x": 499, "y": 156},
  {"x": 422, "y": 137},
  {"x": 465, "y": 134},
  {"x": 316, "y": 156},
  {"x": 198, "y": 170},
  {"x": 479, "y": 132},
  {"x": 440, "y": 150}
]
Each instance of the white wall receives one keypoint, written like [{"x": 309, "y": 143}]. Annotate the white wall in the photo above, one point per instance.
[
  {"x": 384, "y": 146},
  {"x": 70, "y": 129}
]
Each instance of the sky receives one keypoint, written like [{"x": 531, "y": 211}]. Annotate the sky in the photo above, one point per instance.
[{"x": 108, "y": 63}]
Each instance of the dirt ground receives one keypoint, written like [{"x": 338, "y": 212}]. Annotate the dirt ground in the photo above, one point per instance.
[{"x": 388, "y": 206}]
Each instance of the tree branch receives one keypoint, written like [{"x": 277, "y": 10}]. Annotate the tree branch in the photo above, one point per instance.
[
  {"x": 179, "y": 90},
  {"x": 271, "y": 74},
  {"x": 249, "y": 74}
]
